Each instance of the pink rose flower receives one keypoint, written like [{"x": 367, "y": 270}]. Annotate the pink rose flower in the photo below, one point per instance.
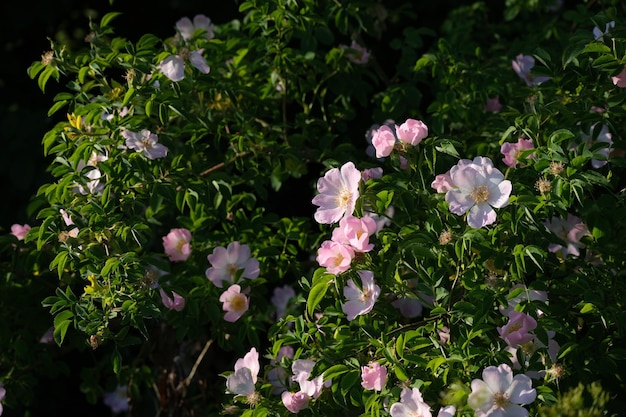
[
  {"x": 373, "y": 376},
  {"x": 360, "y": 300},
  {"x": 173, "y": 67},
  {"x": 511, "y": 150},
  {"x": 381, "y": 221},
  {"x": 356, "y": 53},
  {"x": 251, "y": 362},
  {"x": 570, "y": 231},
  {"x": 499, "y": 393},
  {"x": 493, "y": 105},
  {"x": 3, "y": 393},
  {"x": 355, "y": 232},
  {"x": 517, "y": 331},
  {"x": 409, "y": 307},
  {"x": 479, "y": 188},
  {"x": 302, "y": 370},
  {"x": 281, "y": 298},
  {"x": 522, "y": 64},
  {"x": 20, "y": 231},
  {"x": 177, "y": 244},
  {"x": 235, "y": 303},
  {"x": 227, "y": 262},
  {"x": 117, "y": 400},
  {"x": 443, "y": 183},
  {"x": 412, "y": 132},
  {"x": 176, "y": 302},
  {"x": 338, "y": 191},
  {"x": 242, "y": 381},
  {"x": 187, "y": 28},
  {"x": 371, "y": 173},
  {"x": 335, "y": 257},
  {"x": 598, "y": 34},
  {"x": 411, "y": 404},
  {"x": 295, "y": 402},
  {"x": 278, "y": 376},
  {"x": 383, "y": 141},
  {"x": 145, "y": 142}
]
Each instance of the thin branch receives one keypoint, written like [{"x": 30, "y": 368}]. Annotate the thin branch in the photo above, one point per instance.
[
  {"x": 223, "y": 164},
  {"x": 183, "y": 385}
]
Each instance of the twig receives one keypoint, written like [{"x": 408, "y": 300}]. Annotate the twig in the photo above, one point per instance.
[
  {"x": 222, "y": 164},
  {"x": 183, "y": 385}
]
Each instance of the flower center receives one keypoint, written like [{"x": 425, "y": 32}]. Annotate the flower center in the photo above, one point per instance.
[
  {"x": 501, "y": 400},
  {"x": 514, "y": 327},
  {"x": 238, "y": 302},
  {"x": 343, "y": 198},
  {"x": 147, "y": 142},
  {"x": 480, "y": 194},
  {"x": 232, "y": 269},
  {"x": 364, "y": 295},
  {"x": 180, "y": 245},
  {"x": 338, "y": 260}
]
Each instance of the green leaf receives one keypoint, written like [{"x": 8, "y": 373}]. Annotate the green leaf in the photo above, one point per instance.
[
  {"x": 62, "y": 322},
  {"x": 82, "y": 73},
  {"x": 560, "y": 135},
  {"x": 116, "y": 360},
  {"x": 400, "y": 372},
  {"x": 56, "y": 107},
  {"x": 35, "y": 69},
  {"x": 348, "y": 381},
  {"x": 317, "y": 293},
  {"x": 129, "y": 94},
  {"x": 107, "y": 18},
  {"x": 446, "y": 146},
  {"x": 597, "y": 47},
  {"x": 50, "y": 71},
  {"x": 334, "y": 371},
  {"x": 587, "y": 308}
]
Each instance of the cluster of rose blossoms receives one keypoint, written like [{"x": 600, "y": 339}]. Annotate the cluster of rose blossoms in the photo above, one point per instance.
[
  {"x": 497, "y": 393},
  {"x": 474, "y": 187},
  {"x": 228, "y": 265}
]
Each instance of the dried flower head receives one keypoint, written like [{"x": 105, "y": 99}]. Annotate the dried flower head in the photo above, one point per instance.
[
  {"x": 543, "y": 185},
  {"x": 556, "y": 168},
  {"x": 556, "y": 372},
  {"x": 90, "y": 37},
  {"x": 445, "y": 237},
  {"x": 130, "y": 75},
  {"x": 47, "y": 58}
]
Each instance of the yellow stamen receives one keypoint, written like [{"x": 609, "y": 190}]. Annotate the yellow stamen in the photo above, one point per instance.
[{"x": 480, "y": 194}]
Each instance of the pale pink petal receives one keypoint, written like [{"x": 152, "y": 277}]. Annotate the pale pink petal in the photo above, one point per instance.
[
  {"x": 521, "y": 390},
  {"x": 173, "y": 67},
  {"x": 198, "y": 61}
]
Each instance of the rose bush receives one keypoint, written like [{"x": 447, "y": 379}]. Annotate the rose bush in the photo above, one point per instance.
[{"x": 470, "y": 264}]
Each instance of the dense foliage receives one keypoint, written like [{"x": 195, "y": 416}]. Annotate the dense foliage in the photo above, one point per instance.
[{"x": 332, "y": 207}]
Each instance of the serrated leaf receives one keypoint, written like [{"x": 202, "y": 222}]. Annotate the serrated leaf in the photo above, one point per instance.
[
  {"x": 597, "y": 47},
  {"x": 45, "y": 75},
  {"x": 35, "y": 69},
  {"x": 56, "y": 107},
  {"x": 317, "y": 293},
  {"x": 129, "y": 94},
  {"x": 587, "y": 308},
  {"x": 62, "y": 322},
  {"x": 107, "y": 18},
  {"x": 334, "y": 371}
]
